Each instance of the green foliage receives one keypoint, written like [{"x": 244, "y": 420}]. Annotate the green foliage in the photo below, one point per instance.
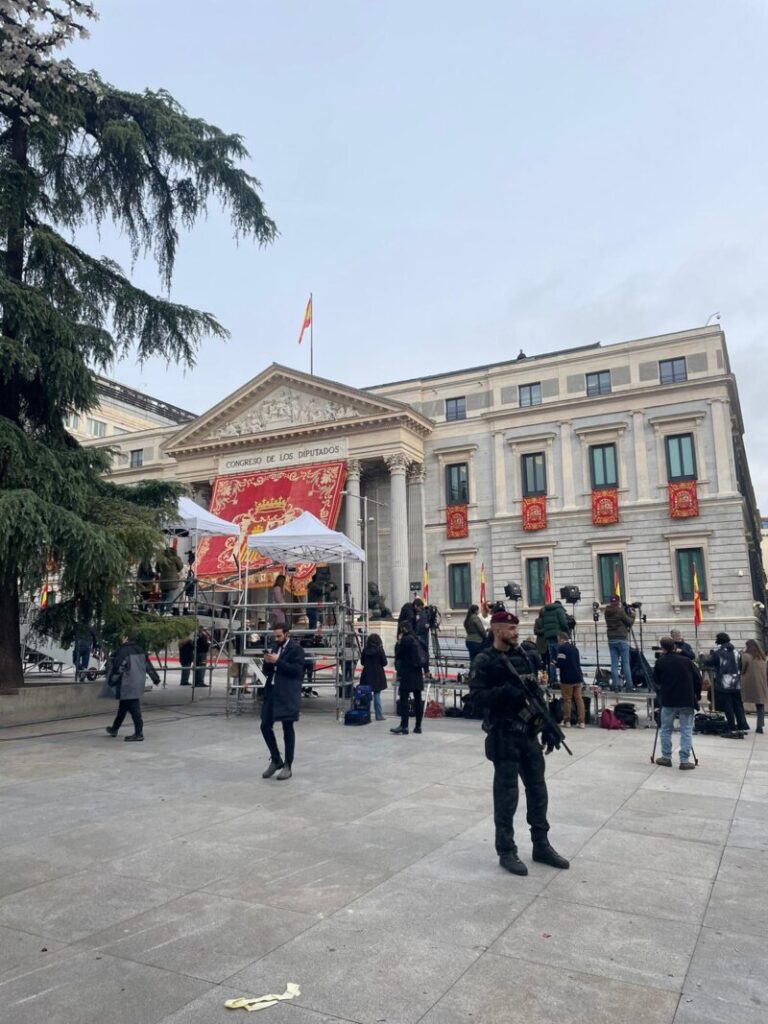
[{"x": 75, "y": 150}]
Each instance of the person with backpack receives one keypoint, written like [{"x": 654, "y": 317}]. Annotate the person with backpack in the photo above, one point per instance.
[
  {"x": 374, "y": 660},
  {"x": 552, "y": 620},
  {"x": 678, "y": 685},
  {"x": 571, "y": 679},
  {"x": 754, "y": 685},
  {"x": 725, "y": 664},
  {"x": 409, "y": 666},
  {"x": 126, "y": 676}
]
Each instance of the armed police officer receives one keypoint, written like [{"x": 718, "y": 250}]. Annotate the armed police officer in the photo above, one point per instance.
[{"x": 518, "y": 725}]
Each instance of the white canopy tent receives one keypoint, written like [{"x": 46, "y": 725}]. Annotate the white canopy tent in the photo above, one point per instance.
[
  {"x": 199, "y": 520},
  {"x": 305, "y": 539}
]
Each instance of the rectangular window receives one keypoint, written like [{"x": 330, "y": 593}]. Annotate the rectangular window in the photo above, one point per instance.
[
  {"x": 456, "y": 408},
  {"x": 535, "y": 571},
  {"x": 672, "y": 371},
  {"x": 599, "y": 383},
  {"x": 96, "y": 428},
  {"x": 119, "y": 430},
  {"x": 457, "y": 484},
  {"x": 529, "y": 394},
  {"x": 608, "y": 568},
  {"x": 459, "y": 585},
  {"x": 687, "y": 560},
  {"x": 534, "y": 474},
  {"x": 72, "y": 420},
  {"x": 681, "y": 457},
  {"x": 137, "y": 458},
  {"x": 602, "y": 465}
]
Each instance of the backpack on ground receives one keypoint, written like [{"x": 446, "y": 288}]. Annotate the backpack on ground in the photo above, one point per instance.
[
  {"x": 434, "y": 709},
  {"x": 362, "y": 696},
  {"x": 625, "y": 711},
  {"x": 608, "y": 720},
  {"x": 710, "y": 723},
  {"x": 357, "y": 716},
  {"x": 556, "y": 709}
]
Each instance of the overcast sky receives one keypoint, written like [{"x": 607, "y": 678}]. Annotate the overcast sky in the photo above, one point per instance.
[{"x": 455, "y": 181}]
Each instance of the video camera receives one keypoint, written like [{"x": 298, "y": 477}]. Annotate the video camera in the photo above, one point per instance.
[
  {"x": 433, "y": 615},
  {"x": 497, "y": 606}
]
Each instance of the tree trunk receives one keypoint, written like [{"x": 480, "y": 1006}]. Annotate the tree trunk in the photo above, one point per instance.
[{"x": 11, "y": 671}]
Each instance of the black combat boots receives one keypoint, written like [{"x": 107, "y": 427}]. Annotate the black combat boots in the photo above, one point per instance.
[
  {"x": 545, "y": 854},
  {"x": 512, "y": 863}
]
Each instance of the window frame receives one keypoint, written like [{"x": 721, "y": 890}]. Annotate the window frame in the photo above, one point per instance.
[
  {"x": 536, "y": 491},
  {"x": 448, "y": 483},
  {"x": 615, "y": 556},
  {"x": 699, "y": 558},
  {"x": 96, "y": 428},
  {"x": 138, "y": 461},
  {"x": 599, "y": 389},
  {"x": 673, "y": 376},
  {"x": 543, "y": 560},
  {"x": 592, "y": 474},
  {"x": 674, "y": 479},
  {"x": 466, "y": 570},
  {"x": 533, "y": 398},
  {"x": 457, "y": 412}
]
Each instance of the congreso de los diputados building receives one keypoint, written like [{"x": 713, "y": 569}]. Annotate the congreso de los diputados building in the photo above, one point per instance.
[{"x": 598, "y": 466}]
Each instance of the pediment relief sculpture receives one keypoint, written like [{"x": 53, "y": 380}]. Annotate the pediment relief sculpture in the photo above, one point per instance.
[{"x": 284, "y": 407}]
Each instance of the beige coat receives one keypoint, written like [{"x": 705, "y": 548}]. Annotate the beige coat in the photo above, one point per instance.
[{"x": 754, "y": 685}]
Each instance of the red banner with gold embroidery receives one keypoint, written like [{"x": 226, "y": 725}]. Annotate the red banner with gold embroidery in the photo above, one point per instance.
[
  {"x": 605, "y": 507},
  {"x": 535, "y": 513},
  {"x": 261, "y": 501},
  {"x": 456, "y": 522},
  {"x": 683, "y": 500}
]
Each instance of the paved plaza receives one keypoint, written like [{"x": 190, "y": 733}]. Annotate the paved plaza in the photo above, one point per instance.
[{"x": 148, "y": 883}]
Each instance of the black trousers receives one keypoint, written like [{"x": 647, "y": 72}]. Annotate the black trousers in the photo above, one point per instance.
[
  {"x": 730, "y": 703},
  {"x": 268, "y": 732},
  {"x": 403, "y": 695},
  {"x": 526, "y": 762},
  {"x": 132, "y": 708}
]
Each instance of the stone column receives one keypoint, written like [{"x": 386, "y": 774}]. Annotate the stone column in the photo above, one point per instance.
[
  {"x": 352, "y": 527},
  {"x": 416, "y": 546},
  {"x": 721, "y": 427},
  {"x": 397, "y": 465},
  {"x": 566, "y": 463},
  {"x": 641, "y": 457},
  {"x": 499, "y": 476}
]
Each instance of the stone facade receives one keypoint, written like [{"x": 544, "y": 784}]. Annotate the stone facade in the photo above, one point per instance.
[{"x": 407, "y": 443}]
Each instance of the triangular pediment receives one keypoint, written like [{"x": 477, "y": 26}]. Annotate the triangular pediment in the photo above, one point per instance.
[{"x": 281, "y": 402}]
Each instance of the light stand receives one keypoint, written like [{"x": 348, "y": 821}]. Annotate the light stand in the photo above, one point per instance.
[
  {"x": 596, "y": 619},
  {"x": 514, "y": 592}
]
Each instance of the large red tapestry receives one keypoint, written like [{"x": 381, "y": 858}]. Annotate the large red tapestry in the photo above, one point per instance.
[
  {"x": 456, "y": 522},
  {"x": 261, "y": 501},
  {"x": 605, "y": 507},
  {"x": 683, "y": 500},
  {"x": 534, "y": 513}
]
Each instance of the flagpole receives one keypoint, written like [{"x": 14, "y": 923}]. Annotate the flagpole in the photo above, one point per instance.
[{"x": 312, "y": 336}]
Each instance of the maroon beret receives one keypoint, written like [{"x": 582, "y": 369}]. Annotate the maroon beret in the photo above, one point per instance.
[{"x": 505, "y": 617}]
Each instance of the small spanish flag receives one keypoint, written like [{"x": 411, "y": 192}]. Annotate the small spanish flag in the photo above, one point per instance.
[
  {"x": 697, "y": 616},
  {"x": 307, "y": 319},
  {"x": 483, "y": 598},
  {"x": 425, "y": 586},
  {"x": 547, "y": 586},
  {"x": 44, "y": 596},
  {"x": 616, "y": 581}
]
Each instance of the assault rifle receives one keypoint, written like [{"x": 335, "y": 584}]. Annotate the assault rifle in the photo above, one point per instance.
[{"x": 535, "y": 705}]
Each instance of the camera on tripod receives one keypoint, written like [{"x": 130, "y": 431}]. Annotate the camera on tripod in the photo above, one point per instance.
[
  {"x": 497, "y": 606},
  {"x": 433, "y": 616},
  {"x": 513, "y": 591},
  {"x": 595, "y": 611},
  {"x": 635, "y": 606}
]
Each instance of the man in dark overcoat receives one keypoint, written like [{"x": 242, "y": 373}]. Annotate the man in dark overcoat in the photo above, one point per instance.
[
  {"x": 678, "y": 685},
  {"x": 409, "y": 666},
  {"x": 126, "y": 676},
  {"x": 284, "y": 671}
]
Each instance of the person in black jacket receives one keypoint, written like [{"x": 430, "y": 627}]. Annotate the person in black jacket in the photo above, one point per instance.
[
  {"x": 373, "y": 661},
  {"x": 681, "y": 646},
  {"x": 414, "y": 614},
  {"x": 678, "y": 685},
  {"x": 409, "y": 665},
  {"x": 186, "y": 658},
  {"x": 202, "y": 647},
  {"x": 724, "y": 663},
  {"x": 513, "y": 744},
  {"x": 571, "y": 679},
  {"x": 284, "y": 671}
]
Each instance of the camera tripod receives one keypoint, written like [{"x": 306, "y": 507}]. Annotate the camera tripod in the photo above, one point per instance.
[{"x": 656, "y": 740}]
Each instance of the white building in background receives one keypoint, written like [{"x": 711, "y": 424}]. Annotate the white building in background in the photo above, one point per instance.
[{"x": 584, "y": 466}]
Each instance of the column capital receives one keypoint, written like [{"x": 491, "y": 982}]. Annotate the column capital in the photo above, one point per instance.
[
  {"x": 397, "y": 463},
  {"x": 417, "y": 473},
  {"x": 354, "y": 469}
]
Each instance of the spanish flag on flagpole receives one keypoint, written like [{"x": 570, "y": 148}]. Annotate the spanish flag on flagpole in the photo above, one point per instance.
[
  {"x": 425, "y": 585},
  {"x": 616, "y": 582},
  {"x": 697, "y": 616},
  {"x": 547, "y": 586},
  {"x": 307, "y": 319},
  {"x": 483, "y": 598}
]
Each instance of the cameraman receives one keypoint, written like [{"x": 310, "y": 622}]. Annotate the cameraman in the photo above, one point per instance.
[
  {"x": 619, "y": 619},
  {"x": 680, "y": 645},
  {"x": 417, "y": 617}
]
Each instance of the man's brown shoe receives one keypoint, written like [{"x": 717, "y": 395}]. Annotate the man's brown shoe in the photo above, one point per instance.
[
  {"x": 687, "y": 766},
  {"x": 665, "y": 762}
]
